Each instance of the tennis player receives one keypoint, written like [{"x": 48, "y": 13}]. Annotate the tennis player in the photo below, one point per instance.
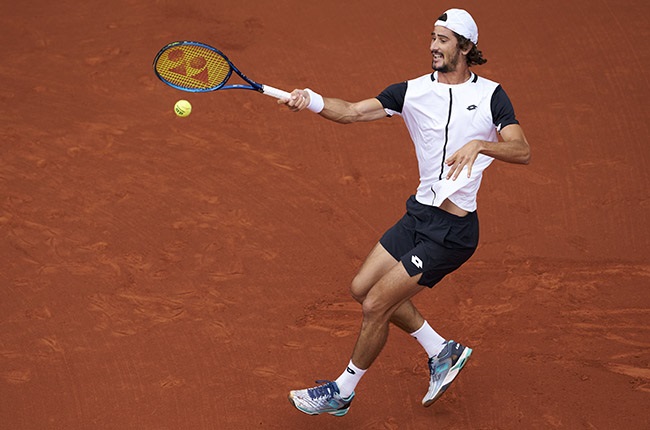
[{"x": 454, "y": 118}]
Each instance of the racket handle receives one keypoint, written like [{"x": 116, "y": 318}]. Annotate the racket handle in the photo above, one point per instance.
[{"x": 274, "y": 92}]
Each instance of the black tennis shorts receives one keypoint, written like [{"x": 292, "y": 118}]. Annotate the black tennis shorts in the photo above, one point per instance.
[{"x": 431, "y": 241}]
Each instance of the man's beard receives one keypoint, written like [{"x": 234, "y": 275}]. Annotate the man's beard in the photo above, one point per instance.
[{"x": 449, "y": 66}]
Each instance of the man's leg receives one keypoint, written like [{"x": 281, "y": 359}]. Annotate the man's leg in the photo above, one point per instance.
[
  {"x": 446, "y": 358},
  {"x": 409, "y": 319},
  {"x": 406, "y": 317},
  {"x": 377, "y": 288},
  {"x": 394, "y": 289},
  {"x": 377, "y": 264}
]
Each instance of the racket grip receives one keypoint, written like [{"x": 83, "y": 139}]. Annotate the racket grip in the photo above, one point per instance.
[{"x": 274, "y": 92}]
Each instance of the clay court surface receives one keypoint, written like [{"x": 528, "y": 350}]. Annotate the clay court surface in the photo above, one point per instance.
[{"x": 168, "y": 273}]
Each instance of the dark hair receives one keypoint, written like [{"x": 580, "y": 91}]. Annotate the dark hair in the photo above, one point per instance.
[{"x": 474, "y": 56}]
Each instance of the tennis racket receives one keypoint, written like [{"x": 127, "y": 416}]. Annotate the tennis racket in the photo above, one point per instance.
[{"x": 198, "y": 68}]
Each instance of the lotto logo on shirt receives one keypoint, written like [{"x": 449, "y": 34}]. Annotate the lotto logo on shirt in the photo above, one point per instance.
[{"x": 416, "y": 261}]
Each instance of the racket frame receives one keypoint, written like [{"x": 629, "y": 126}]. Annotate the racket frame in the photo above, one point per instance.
[{"x": 264, "y": 89}]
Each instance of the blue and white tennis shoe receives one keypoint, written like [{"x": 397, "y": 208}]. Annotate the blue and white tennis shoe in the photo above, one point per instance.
[
  {"x": 322, "y": 399},
  {"x": 443, "y": 368}
]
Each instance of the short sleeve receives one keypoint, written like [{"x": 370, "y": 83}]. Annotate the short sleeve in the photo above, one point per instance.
[
  {"x": 392, "y": 98},
  {"x": 503, "y": 113}
]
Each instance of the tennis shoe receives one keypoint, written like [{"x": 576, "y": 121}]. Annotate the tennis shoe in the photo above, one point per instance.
[
  {"x": 444, "y": 368},
  {"x": 321, "y": 399}
]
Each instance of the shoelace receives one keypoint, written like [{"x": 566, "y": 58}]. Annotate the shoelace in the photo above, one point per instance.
[
  {"x": 325, "y": 390},
  {"x": 446, "y": 351},
  {"x": 436, "y": 368}
]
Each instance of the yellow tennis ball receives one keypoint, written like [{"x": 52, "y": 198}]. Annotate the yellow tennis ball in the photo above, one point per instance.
[{"x": 182, "y": 108}]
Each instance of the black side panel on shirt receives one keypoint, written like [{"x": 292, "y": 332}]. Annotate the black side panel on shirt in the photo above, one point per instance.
[
  {"x": 503, "y": 113},
  {"x": 393, "y": 97}
]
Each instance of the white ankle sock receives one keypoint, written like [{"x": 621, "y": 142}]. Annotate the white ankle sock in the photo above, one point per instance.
[
  {"x": 349, "y": 379},
  {"x": 431, "y": 341}
]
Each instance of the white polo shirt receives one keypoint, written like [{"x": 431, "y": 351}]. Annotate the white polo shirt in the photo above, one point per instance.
[{"x": 441, "y": 118}]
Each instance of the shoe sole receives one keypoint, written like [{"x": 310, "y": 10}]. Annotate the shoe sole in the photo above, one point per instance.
[
  {"x": 451, "y": 375},
  {"x": 337, "y": 413}
]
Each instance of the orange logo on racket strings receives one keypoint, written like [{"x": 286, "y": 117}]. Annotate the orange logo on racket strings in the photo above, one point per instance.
[
  {"x": 191, "y": 69},
  {"x": 178, "y": 56}
]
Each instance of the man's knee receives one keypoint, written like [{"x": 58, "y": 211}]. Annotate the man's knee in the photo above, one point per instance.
[
  {"x": 376, "y": 308},
  {"x": 359, "y": 289}
]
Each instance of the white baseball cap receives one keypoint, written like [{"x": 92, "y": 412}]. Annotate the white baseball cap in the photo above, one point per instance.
[{"x": 460, "y": 22}]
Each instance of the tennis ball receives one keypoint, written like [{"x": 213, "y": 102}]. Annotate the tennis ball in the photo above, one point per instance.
[{"x": 182, "y": 108}]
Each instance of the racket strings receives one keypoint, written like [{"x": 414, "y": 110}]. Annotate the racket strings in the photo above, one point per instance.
[{"x": 193, "y": 67}]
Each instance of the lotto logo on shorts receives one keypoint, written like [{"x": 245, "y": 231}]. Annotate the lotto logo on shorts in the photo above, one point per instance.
[{"x": 416, "y": 261}]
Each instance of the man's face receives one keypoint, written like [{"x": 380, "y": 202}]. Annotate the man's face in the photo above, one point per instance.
[{"x": 444, "y": 49}]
